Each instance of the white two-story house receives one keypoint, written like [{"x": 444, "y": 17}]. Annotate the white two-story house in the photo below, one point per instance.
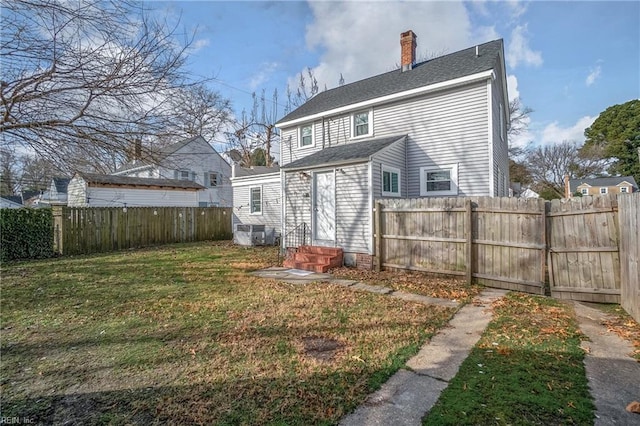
[
  {"x": 192, "y": 160},
  {"x": 437, "y": 128}
]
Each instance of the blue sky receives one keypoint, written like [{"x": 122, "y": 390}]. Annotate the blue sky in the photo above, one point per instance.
[{"x": 568, "y": 61}]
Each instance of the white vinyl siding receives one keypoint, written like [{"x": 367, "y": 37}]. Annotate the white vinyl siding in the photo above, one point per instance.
[
  {"x": 393, "y": 156},
  {"x": 499, "y": 144},
  {"x": 452, "y": 129},
  {"x": 353, "y": 225},
  {"x": 271, "y": 202},
  {"x": 83, "y": 196},
  {"x": 297, "y": 208}
]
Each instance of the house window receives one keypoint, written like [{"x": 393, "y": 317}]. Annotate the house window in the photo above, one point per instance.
[
  {"x": 184, "y": 175},
  {"x": 306, "y": 135},
  {"x": 441, "y": 180},
  {"x": 390, "y": 181},
  {"x": 256, "y": 200},
  {"x": 584, "y": 191},
  {"x": 624, "y": 190},
  {"x": 362, "y": 125},
  {"x": 214, "y": 180},
  {"x": 604, "y": 190}
]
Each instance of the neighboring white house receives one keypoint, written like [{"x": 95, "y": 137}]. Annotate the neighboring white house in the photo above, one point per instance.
[
  {"x": 192, "y": 160},
  {"x": 56, "y": 195},
  {"x": 432, "y": 129},
  {"x": 257, "y": 198},
  {"x": 94, "y": 190}
]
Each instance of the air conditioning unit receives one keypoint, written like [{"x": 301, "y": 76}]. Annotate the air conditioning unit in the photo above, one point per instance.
[{"x": 254, "y": 235}]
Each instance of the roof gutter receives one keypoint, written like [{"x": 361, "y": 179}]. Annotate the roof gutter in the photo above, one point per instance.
[{"x": 392, "y": 97}]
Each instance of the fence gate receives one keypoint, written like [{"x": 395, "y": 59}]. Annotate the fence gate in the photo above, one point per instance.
[{"x": 584, "y": 261}]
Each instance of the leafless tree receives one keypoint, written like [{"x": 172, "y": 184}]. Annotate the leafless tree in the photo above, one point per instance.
[
  {"x": 255, "y": 134},
  {"x": 549, "y": 164},
  {"x": 518, "y": 117},
  {"x": 84, "y": 79}
]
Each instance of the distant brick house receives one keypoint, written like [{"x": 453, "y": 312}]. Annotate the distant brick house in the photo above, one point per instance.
[{"x": 598, "y": 186}]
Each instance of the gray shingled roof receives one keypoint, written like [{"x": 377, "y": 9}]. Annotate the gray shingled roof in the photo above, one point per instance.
[
  {"x": 436, "y": 70},
  {"x": 345, "y": 153},
  {"x": 601, "y": 181},
  {"x": 61, "y": 184},
  {"x": 256, "y": 170},
  {"x": 128, "y": 180}
]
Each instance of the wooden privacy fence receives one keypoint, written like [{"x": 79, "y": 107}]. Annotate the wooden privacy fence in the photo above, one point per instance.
[
  {"x": 498, "y": 241},
  {"x": 629, "y": 224},
  {"x": 83, "y": 230},
  {"x": 584, "y": 259},
  {"x": 513, "y": 243}
]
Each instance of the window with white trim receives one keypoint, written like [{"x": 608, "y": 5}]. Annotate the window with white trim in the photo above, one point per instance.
[
  {"x": 362, "y": 124},
  {"x": 584, "y": 191},
  {"x": 439, "y": 180},
  {"x": 214, "y": 179},
  {"x": 624, "y": 189},
  {"x": 255, "y": 199},
  {"x": 306, "y": 135},
  {"x": 604, "y": 190},
  {"x": 390, "y": 181},
  {"x": 184, "y": 175}
]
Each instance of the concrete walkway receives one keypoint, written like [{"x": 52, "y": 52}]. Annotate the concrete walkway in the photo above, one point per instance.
[
  {"x": 411, "y": 392},
  {"x": 614, "y": 377}
]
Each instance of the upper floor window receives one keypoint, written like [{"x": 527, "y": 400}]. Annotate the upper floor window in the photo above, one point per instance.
[
  {"x": 214, "y": 179},
  {"x": 256, "y": 200},
  {"x": 442, "y": 180},
  {"x": 306, "y": 135},
  {"x": 584, "y": 191},
  {"x": 184, "y": 175},
  {"x": 624, "y": 189},
  {"x": 604, "y": 190},
  {"x": 390, "y": 181},
  {"x": 362, "y": 124}
]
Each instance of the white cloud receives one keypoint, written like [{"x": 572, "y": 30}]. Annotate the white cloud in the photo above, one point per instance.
[
  {"x": 512, "y": 87},
  {"x": 593, "y": 75},
  {"x": 517, "y": 8},
  {"x": 519, "y": 52},
  {"x": 265, "y": 71},
  {"x": 362, "y": 39},
  {"x": 199, "y": 44},
  {"x": 554, "y": 133}
]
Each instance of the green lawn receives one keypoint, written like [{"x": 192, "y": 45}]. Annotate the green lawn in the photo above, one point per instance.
[
  {"x": 183, "y": 334},
  {"x": 527, "y": 369}
]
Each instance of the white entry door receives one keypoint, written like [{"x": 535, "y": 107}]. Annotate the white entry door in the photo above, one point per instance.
[{"x": 324, "y": 208}]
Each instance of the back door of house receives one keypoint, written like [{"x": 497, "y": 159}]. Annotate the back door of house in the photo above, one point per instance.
[{"x": 324, "y": 209}]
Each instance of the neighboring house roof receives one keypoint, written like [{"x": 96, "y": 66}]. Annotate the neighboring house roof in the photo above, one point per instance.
[
  {"x": 602, "y": 181},
  {"x": 11, "y": 201},
  {"x": 345, "y": 153},
  {"x": 436, "y": 70},
  {"x": 92, "y": 178},
  {"x": 255, "y": 170},
  {"x": 161, "y": 154},
  {"x": 61, "y": 184}
]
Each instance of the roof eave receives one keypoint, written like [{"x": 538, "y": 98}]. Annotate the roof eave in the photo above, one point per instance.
[
  {"x": 327, "y": 165},
  {"x": 392, "y": 97}
]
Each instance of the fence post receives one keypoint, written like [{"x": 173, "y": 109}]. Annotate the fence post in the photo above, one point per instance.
[
  {"x": 378, "y": 230},
  {"x": 57, "y": 228},
  {"x": 469, "y": 238},
  {"x": 545, "y": 244}
]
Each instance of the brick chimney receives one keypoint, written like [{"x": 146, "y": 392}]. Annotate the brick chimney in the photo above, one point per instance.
[{"x": 408, "y": 50}]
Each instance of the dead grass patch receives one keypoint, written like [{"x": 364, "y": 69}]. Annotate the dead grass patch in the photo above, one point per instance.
[{"x": 413, "y": 282}]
